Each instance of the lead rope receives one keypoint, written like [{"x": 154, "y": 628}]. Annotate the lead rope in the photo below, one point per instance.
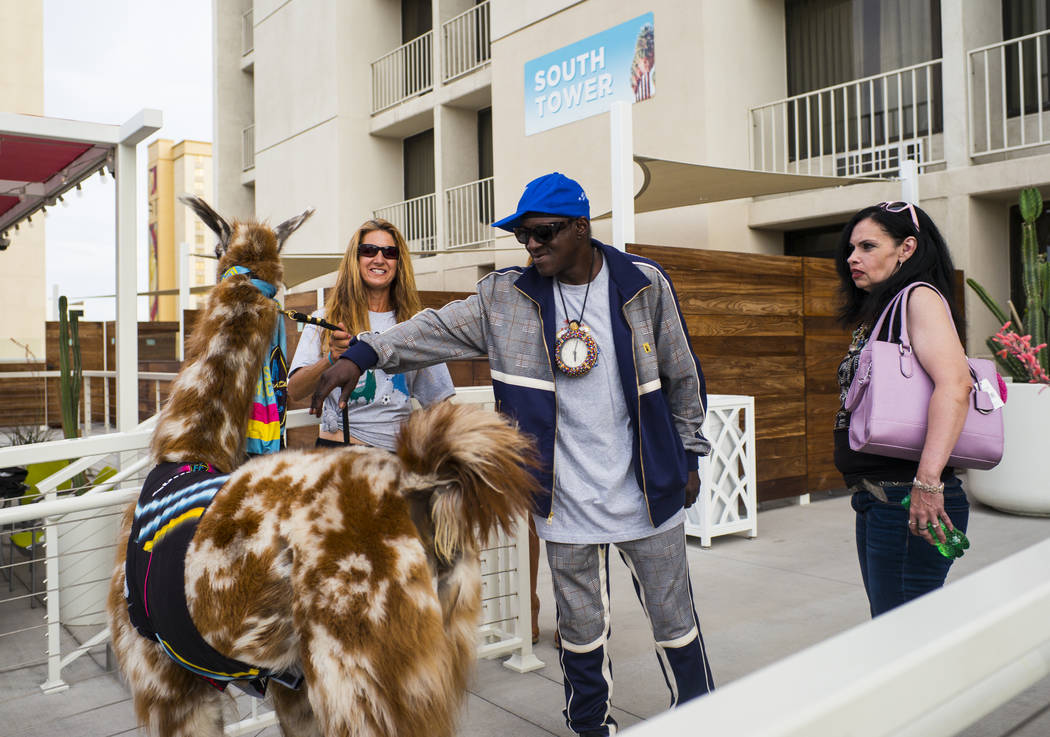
[{"x": 303, "y": 317}]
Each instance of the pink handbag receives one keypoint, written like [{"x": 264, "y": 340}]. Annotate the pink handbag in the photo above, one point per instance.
[{"x": 890, "y": 397}]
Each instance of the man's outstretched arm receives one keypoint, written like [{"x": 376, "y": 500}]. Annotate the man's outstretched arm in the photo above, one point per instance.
[{"x": 344, "y": 373}]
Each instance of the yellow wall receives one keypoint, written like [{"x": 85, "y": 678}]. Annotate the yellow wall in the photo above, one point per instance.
[
  {"x": 22, "y": 265},
  {"x": 173, "y": 170}
]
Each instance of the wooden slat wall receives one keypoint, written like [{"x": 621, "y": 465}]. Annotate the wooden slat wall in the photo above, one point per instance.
[
  {"x": 826, "y": 344},
  {"x": 745, "y": 316}
]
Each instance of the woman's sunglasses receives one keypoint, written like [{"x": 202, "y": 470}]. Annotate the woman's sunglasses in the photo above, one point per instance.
[
  {"x": 901, "y": 207},
  {"x": 542, "y": 233},
  {"x": 368, "y": 251}
]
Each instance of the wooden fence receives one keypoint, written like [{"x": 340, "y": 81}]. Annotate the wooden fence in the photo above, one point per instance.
[
  {"x": 761, "y": 325},
  {"x": 764, "y": 326}
]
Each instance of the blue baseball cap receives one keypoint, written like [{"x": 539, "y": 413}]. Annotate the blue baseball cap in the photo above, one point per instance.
[{"x": 551, "y": 194}]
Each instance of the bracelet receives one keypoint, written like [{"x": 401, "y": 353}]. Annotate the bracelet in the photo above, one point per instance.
[
  {"x": 928, "y": 488},
  {"x": 330, "y": 361}
]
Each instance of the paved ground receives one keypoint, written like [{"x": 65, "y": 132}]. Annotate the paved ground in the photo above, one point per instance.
[{"x": 759, "y": 600}]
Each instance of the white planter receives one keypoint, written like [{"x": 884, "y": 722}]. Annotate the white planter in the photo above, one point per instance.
[
  {"x": 85, "y": 543},
  {"x": 1019, "y": 483}
]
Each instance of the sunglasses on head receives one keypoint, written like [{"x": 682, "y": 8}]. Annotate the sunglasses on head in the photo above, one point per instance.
[
  {"x": 901, "y": 207},
  {"x": 542, "y": 233},
  {"x": 368, "y": 251}
]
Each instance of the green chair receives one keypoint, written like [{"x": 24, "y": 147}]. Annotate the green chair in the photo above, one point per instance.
[{"x": 27, "y": 540}]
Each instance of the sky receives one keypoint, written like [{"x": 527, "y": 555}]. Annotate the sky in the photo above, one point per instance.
[{"x": 105, "y": 60}]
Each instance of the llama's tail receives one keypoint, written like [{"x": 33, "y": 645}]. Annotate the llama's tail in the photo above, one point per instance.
[{"x": 473, "y": 464}]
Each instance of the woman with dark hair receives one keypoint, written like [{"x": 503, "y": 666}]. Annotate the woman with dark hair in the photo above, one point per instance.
[
  {"x": 883, "y": 249},
  {"x": 375, "y": 288}
]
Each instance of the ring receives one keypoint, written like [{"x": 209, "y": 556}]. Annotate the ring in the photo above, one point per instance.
[{"x": 913, "y": 523}]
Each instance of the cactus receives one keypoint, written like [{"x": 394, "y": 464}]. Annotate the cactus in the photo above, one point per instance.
[
  {"x": 1035, "y": 276},
  {"x": 70, "y": 368}
]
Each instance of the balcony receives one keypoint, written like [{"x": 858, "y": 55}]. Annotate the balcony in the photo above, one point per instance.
[
  {"x": 865, "y": 127},
  {"x": 468, "y": 211},
  {"x": 248, "y": 148},
  {"x": 403, "y": 73},
  {"x": 415, "y": 219},
  {"x": 466, "y": 42},
  {"x": 1008, "y": 96},
  {"x": 247, "y": 32}
]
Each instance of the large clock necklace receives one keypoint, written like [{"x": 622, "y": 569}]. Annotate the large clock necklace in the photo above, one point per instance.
[{"x": 575, "y": 350}]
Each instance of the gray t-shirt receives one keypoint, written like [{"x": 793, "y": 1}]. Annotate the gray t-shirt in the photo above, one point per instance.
[
  {"x": 381, "y": 401},
  {"x": 596, "y": 496}
]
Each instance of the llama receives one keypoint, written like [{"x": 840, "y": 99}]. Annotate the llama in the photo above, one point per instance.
[{"x": 353, "y": 571}]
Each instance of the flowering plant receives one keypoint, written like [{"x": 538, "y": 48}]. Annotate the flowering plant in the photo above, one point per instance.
[
  {"x": 1015, "y": 354},
  {"x": 1020, "y": 347}
]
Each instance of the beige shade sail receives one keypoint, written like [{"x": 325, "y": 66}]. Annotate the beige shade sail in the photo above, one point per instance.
[{"x": 668, "y": 184}]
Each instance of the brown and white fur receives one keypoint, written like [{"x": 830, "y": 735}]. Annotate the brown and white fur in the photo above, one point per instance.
[{"x": 356, "y": 566}]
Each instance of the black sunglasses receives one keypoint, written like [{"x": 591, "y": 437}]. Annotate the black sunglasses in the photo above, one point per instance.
[
  {"x": 542, "y": 233},
  {"x": 368, "y": 251}
]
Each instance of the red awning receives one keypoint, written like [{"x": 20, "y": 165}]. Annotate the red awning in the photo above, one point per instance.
[{"x": 34, "y": 172}]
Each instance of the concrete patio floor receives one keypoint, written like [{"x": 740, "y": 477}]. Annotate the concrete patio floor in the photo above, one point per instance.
[{"x": 759, "y": 600}]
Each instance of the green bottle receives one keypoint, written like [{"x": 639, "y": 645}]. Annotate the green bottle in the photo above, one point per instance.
[{"x": 955, "y": 542}]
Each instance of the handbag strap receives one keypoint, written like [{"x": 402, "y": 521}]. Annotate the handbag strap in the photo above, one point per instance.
[{"x": 900, "y": 302}]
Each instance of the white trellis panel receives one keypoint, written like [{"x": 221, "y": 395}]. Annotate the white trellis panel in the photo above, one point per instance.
[{"x": 728, "y": 499}]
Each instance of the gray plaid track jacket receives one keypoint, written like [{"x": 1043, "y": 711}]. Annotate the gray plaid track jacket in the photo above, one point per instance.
[{"x": 511, "y": 320}]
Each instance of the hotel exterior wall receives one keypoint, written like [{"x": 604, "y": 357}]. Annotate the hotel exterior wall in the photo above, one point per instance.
[
  {"x": 232, "y": 109},
  {"x": 22, "y": 265},
  {"x": 714, "y": 59}
]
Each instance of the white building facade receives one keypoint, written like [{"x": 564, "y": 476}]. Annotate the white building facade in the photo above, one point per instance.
[{"x": 417, "y": 111}]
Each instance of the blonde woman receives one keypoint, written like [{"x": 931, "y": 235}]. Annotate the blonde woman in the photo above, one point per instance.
[{"x": 374, "y": 289}]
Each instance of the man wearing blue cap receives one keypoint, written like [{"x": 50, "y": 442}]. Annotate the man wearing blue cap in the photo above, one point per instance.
[{"x": 590, "y": 354}]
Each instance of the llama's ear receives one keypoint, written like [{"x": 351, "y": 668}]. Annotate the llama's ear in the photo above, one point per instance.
[
  {"x": 289, "y": 226},
  {"x": 212, "y": 219}
]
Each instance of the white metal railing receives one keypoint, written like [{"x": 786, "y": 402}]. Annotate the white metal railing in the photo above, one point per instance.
[
  {"x": 466, "y": 42},
  {"x": 469, "y": 210},
  {"x": 728, "y": 500},
  {"x": 78, "y": 533},
  {"x": 247, "y": 32},
  {"x": 865, "y": 127},
  {"x": 248, "y": 148},
  {"x": 154, "y": 398},
  {"x": 403, "y": 73},
  {"x": 1008, "y": 94},
  {"x": 415, "y": 219},
  {"x": 927, "y": 669}
]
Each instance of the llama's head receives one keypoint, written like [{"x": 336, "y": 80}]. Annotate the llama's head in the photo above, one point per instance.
[{"x": 254, "y": 246}]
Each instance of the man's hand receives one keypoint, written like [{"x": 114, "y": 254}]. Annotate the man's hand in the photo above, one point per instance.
[
  {"x": 345, "y": 373},
  {"x": 692, "y": 484}
]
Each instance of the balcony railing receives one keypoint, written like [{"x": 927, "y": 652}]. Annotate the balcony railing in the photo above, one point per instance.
[
  {"x": 403, "y": 73},
  {"x": 247, "y": 33},
  {"x": 248, "y": 148},
  {"x": 466, "y": 42},
  {"x": 415, "y": 219},
  {"x": 1009, "y": 94},
  {"x": 468, "y": 211},
  {"x": 859, "y": 128}
]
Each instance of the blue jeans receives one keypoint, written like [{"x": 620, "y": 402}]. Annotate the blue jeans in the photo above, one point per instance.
[{"x": 897, "y": 566}]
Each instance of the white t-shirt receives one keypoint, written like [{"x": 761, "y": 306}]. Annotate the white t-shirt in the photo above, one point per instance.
[
  {"x": 596, "y": 497},
  {"x": 381, "y": 401}
]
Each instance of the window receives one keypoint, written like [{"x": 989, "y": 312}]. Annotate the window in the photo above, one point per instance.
[
  {"x": 831, "y": 42},
  {"x": 1020, "y": 18},
  {"x": 819, "y": 242},
  {"x": 485, "y": 165},
  {"x": 416, "y": 19},
  {"x": 835, "y": 41},
  {"x": 419, "y": 164}
]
